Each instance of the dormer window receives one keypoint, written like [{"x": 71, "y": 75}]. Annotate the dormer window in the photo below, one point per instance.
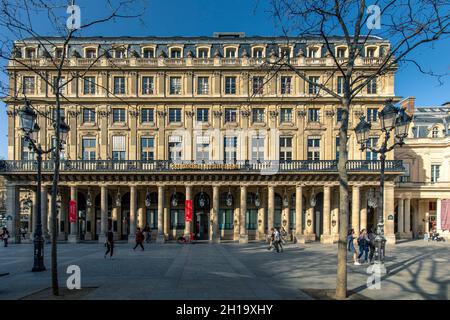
[
  {"x": 203, "y": 53},
  {"x": 258, "y": 53},
  {"x": 340, "y": 52},
  {"x": 90, "y": 53},
  {"x": 30, "y": 53},
  {"x": 119, "y": 53},
  {"x": 370, "y": 53},
  {"x": 313, "y": 52},
  {"x": 285, "y": 52},
  {"x": 230, "y": 53},
  {"x": 58, "y": 53},
  {"x": 435, "y": 132},
  {"x": 175, "y": 53},
  {"x": 148, "y": 53}
]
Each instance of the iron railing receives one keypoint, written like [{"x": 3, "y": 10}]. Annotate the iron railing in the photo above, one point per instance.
[{"x": 267, "y": 166}]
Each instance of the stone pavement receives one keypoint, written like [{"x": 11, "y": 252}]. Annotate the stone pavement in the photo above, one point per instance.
[{"x": 417, "y": 270}]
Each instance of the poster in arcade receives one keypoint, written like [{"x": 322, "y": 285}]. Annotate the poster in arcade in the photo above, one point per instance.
[
  {"x": 188, "y": 211},
  {"x": 72, "y": 211}
]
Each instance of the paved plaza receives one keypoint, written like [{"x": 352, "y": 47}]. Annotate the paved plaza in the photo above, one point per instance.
[{"x": 417, "y": 270}]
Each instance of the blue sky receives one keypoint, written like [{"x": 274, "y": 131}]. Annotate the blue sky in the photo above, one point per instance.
[{"x": 203, "y": 17}]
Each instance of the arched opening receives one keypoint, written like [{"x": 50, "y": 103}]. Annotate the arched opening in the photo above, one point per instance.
[
  {"x": 177, "y": 211},
  {"x": 81, "y": 212},
  {"x": 202, "y": 205},
  {"x": 124, "y": 215},
  {"x": 251, "y": 217},
  {"x": 318, "y": 216},
  {"x": 151, "y": 213},
  {"x": 226, "y": 211},
  {"x": 277, "y": 211}
]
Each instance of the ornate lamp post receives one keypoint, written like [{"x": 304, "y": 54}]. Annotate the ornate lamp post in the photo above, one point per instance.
[
  {"x": 394, "y": 119},
  {"x": 30, "y": 129}
]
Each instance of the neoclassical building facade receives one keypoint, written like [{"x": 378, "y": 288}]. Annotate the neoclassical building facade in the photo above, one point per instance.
[
  {"x": 158, "y": 121},
  {"x": 423, "y": 191}
]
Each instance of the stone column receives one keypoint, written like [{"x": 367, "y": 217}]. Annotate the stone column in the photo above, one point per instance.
[
  {"x": 261, "y": 234},
  {"x": 103, "y": 214},
  {"x": 335, "y": 216},
  {"x": 270, "y": 208},
  {"x": 355, "y": 209},
  {"x": 389, "y": 211},
  {"x": 73, "y": 236},
  {"x": 298, "y": 214},
  {"x": 133, "y": 214},
  {"x": 400, "y": 215},
  {"x": 438, "y": 216},
  {"x": 326, "y": 235},
  {"x": 188, "y": 224},
  {"x": 44, "y": 213},
  {"x": 407, "y": 220},
  {"x": 363, "y": 210},
  {"x": 215, "y": 236},
  {"x": 13, "y": 213},
  {"x": 160, "y": 236},
  {"x": 243, "y": 235},
  {"x": 426, "y": 207}
]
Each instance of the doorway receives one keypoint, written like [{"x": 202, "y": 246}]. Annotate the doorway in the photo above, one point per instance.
[{"x": 202, "y": 206}]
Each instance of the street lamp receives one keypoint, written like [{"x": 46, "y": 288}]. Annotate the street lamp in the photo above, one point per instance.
[
  {"x": 30, "y": 128},
  {"x": 391, "y": 118}
]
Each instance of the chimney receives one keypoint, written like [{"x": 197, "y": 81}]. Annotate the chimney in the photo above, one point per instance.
[{"x": 408, "y": 104}]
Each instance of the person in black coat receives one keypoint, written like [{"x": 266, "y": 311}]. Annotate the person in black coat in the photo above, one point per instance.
[{"x": 109, "y": 243}]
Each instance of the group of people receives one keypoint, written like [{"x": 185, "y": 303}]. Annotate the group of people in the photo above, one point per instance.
[
  {"x": 366, "y": 246},
  {"x": 140, "y": 237},
  {"x": 4, "y": 236},
  {"x": 277, "y": 238}
]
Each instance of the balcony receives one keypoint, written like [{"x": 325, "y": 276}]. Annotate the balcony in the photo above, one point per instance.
[{"x": 163, "y": 166}]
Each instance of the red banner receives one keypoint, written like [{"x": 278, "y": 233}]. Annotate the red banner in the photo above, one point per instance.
[
  {"x": 188, "y": 210},
  {"x": 72, "y": 211}
]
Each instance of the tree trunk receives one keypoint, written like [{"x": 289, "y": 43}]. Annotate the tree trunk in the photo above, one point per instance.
[{"x": 341, "y": 276}]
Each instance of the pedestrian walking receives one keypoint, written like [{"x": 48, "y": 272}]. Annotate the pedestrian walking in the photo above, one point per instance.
[
  {"x": 271, "y": 238},
  {"x": 147, "y": 233},
  {"x": 363, "y": 243},
  {"x": 351, "y": 246},
  {"x": 280, "y": 238},
  {"x": 139, "y": 239},
  {"x": 109, "y": 243},
  {"x": 5, "y": 236},
  {"x": 371, "y": 237}
]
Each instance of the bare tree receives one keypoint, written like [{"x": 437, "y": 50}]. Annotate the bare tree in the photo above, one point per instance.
[
  {"x": 22, "y": 20},
  {"x": 408, "y": 25}
]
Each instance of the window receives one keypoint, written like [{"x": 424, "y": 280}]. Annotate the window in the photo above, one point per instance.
[
  {"x": 202, "y": 85},
  {"x": 435, "y": 132},
  {"x": 202, "y": 148},
  {"x": 58, "y": 53},
  {"x": 432, "y": 205},
  {"x": 340, "y": 53},
  {"x": 89, "y": 148},
  {"x": 63, "y": 152},
  {"x": 147, "y": 148},
  {"x": 313, "y": 89},
  {"x": 370, "y": 52},
  {"x": 119, "y": 85},
  {"x": 148, "y": 53},
  {"x": 28, "y": 85},
  {"x": 27, "y": 153},
  {"x": 406, "y": 175},
  {"x": 258, "y": 85},
  {"x": 372, "y": 86},
  {"x": 152, "y": 214},
  {"x": 340, "y": 85},
  {"x": 313, "y": 52},
  {"x": 258, "y": 53},
  {"x": 372, "y": 114},
  {"x": 230, "y": 149},
  {"x": 251, "y": 219},
  {"x": 89, "y": 85},
  {"x": 337, "y": 148},
  {"x": 258, "y": 115},
  {"x": 203, "y": 53},
  {"x": 435, "y": 172},
  {"x": 286, "y": 85},
  {"x": 61, "y": 113},
  {"x": 230, "y": 85},
  {"x": 313, "y": 148},
  {"x": 88, "y": 115},
  {"x": 230, "y": 53},
  {"x": 202, "y": 115},
  {"x": 118, "y": 115},
  {"x": 372, "y": 143},
  {"x": 177, "y": 219},
  {"x": 91, "y": 53},
  {"x": 147, "y": 85},
  {"x": 175, "y": 148},
  {"x": 118, "y": 148},
  {"x": 174, "y": 115},
  {"x": 30, "y": 53},
  {"x": 258, "y": 148},
  {"x": 339, "y": 115},
  {"x": 230, "y": 115},
  {"x": 175, "y": 85},
  {"x": 225, "y": 214},
  {"x": 59, "y": 85},
  {"x": 285, "y": 52},
  {"x": 286, "y": 115},
  {"x": 175, "y": 53},
  {"x": 147, "y": 115},
  {"x": 313, "y": 115},
  {"x": 119, "y": 53},
  {"x": 285, "y": 148}
]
